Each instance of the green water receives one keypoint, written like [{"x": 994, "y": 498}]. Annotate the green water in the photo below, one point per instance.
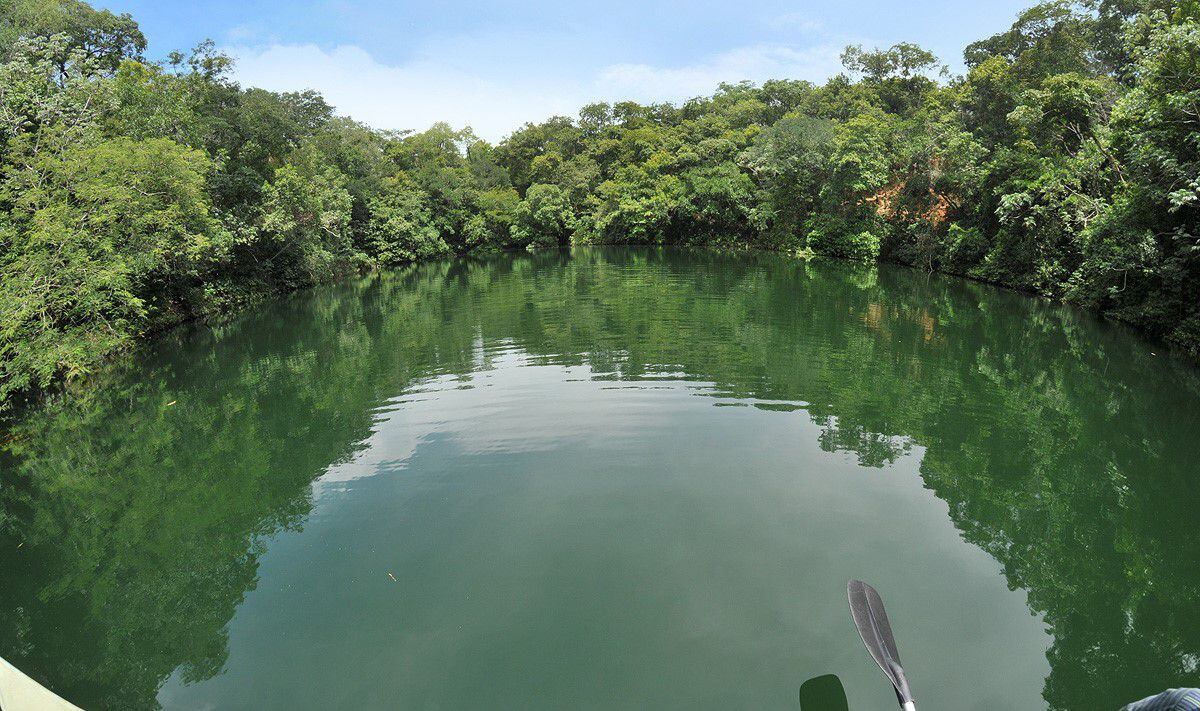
[{"x": 613, "y": 479}]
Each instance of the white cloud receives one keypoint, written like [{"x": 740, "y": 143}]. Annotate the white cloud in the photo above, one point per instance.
[
  {"x": 798, "y": 21},
  {"x": 408, "y": 96},
  {"x": 436, "y": 86},
  {"x": 758, "y": 63},
  {"x": 242, "y": 33}
]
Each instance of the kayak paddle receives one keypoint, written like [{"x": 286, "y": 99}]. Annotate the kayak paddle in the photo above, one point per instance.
[{"x": 872, "y": 622}]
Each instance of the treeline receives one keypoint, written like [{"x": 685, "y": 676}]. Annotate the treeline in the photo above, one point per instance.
[{"x": 136, "y": 195}]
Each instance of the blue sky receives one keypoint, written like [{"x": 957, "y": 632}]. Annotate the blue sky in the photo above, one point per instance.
[{"x": 494, "y": 64}]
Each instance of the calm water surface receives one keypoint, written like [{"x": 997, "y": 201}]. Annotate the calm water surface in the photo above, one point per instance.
[{"x": 607, "y": 480}]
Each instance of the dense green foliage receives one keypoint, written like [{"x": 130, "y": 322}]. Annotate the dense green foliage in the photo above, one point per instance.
[{"x": 135, "y": 195}]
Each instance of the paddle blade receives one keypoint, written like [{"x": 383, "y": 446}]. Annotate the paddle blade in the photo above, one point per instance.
[{"x": 876, "y": 631}]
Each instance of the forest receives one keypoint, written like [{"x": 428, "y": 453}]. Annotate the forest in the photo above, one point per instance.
[{"x": 137, "y": 195}]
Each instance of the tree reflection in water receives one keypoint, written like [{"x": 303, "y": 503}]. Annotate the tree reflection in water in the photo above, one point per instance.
[{"x": 132, "y": 527}]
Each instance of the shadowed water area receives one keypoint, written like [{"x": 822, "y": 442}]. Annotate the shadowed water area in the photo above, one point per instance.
[{"x": 612, "y": 479}]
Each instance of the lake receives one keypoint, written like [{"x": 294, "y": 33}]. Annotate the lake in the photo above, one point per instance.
[{"x": 612, "y": 479}]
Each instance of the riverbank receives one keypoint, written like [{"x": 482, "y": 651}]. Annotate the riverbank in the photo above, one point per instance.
[{"x": 248, "y": 302}]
